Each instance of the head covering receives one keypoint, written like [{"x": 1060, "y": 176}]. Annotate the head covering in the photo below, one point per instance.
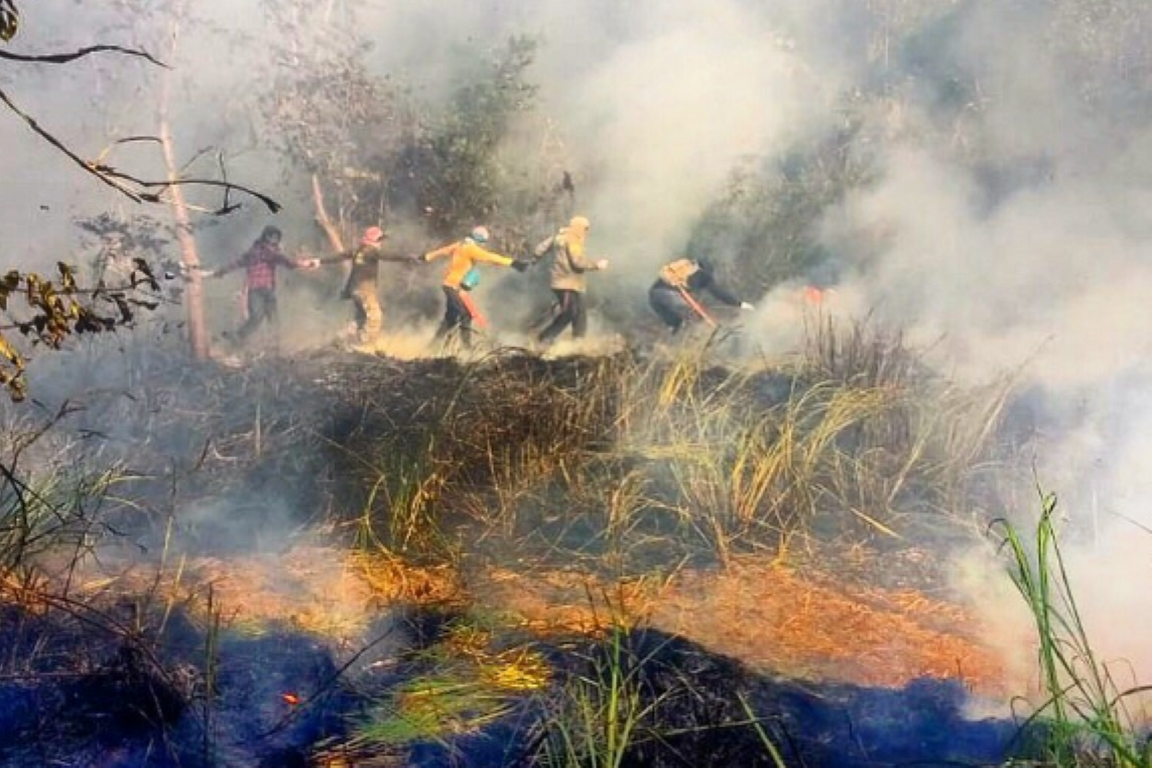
[
  {"x": 479, "y": 234},
  {"x": 576, "y": 232},
  {"x": 372, "y": 236}
]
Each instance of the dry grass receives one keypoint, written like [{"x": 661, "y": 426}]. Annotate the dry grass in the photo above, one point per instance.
[
  {"x": 812, "y": 625},
  {"x": 774, "y": 619},
  {"x": 464, "y": 682},
  {"x": 326, "y": 591},
  {"x": 854, "y": 438},
  {"x": 619, "y": 481}
]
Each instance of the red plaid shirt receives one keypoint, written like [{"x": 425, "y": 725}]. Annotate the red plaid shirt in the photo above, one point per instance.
[{"x": 260, "y": 263}]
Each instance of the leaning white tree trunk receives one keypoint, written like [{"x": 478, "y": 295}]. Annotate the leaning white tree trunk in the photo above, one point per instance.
[
  {"x": 322, "y": 217},
  {"x": 197, "y": 329}
]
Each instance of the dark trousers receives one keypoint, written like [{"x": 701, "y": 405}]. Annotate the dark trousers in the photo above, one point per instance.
[
  {"x": 670, "y": 306},
  {"x": 456, "y": 315},
  {"x": 261, "y": 307},
  {"x": 571, "y": 312}
]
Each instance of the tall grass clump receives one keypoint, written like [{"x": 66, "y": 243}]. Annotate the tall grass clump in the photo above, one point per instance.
[
  {"x": 1085, "y": 719},
  {"x": 639, "y": 697},
  {"x": 854, "y": 435},
  {"x": 49, "y": 501},
  {"x": 602, "y": 711},
  {"x": 440, "y": 440}
]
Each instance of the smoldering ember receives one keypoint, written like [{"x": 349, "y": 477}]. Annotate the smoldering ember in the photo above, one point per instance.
[{"x": 575, "y": 383}]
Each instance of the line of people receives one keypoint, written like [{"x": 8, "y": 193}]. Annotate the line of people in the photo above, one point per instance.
[{"x": 674, "y": 297}]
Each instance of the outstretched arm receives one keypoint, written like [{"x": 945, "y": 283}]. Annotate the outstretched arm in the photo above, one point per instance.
[
  {"x": 336, "y": 258},
  {"x": 439, "y": 253},
  {"x": 230, "y": 267},
  {"x": 393, "y": 256},
  {"x": 723, "y": 294},
  {"x": 541, "y": 250},
  {"x": 281, "y": 259},
  {"x": 479, "y": 255},
  {"x": 580, "y": 261}
]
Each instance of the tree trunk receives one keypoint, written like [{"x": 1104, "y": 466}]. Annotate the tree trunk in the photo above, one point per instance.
[
  {"x": 193, "y": 297},
  {"x": 323, "y": 219}
]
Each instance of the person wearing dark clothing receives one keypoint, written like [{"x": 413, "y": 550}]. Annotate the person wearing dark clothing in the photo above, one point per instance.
[
  {"x": 259, "y": 264},
  {"x": 457, "y": 315},
  {"x": 568, "y": 280},
  {"x": 361, "y": 285},
  {"x": 675, "y": 294},
  {"x": 570, "y": 310}
]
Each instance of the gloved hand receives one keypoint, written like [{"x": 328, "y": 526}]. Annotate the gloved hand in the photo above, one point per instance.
[
  {"x": 519, "y": 266},
  {"x": 746, "y": 305},
  {"x": 602, "y": 264}
]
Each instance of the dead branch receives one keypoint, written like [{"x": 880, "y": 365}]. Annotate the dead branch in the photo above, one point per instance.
[
  {"x": 132, "y": 187},
  {"x": 64, "y": 58}
]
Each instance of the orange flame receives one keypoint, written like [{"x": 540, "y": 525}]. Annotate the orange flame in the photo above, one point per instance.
[{"x": 290, "y": 699}]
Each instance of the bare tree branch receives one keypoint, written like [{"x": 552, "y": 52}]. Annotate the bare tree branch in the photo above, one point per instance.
[
  {"x": 88, "y": 167},
  {"x": 124, "y": 183},
  {"x": 227, "y": 186},
  {"x": 126, "y": 140},
  {"x": 64, "y": 58}
]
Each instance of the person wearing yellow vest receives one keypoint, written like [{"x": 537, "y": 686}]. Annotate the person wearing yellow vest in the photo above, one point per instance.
[
  {"x": 675, "y": 294},
  {"x": 462, "y": 276},
  {"x": 570, "y": 264}
]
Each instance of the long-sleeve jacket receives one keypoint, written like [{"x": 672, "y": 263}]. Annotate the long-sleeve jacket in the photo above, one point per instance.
[
  {"x": 705, "y": 281},
  {"x": 464, "y": 254},
  {"x": 569, "y": 262},
  {"x": 702, "y": 280},
  {"x": 259, "y": 263},
  {"x": 365, "y": 267}
]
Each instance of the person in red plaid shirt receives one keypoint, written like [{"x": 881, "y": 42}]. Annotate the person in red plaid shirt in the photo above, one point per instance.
[{"x": 260, "y": 262}]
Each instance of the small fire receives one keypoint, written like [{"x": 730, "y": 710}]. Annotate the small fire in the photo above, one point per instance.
[
  {"x": 816, "y": 296},
  {"x": 291, "y": 699}
]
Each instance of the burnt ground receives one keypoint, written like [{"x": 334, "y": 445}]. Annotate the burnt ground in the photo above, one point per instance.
[
  {"x": 125, "y": 710},
  {"x": 253, "y": 644}
]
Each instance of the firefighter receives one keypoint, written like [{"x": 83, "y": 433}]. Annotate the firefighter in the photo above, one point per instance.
[
  {"x": 570, "y": 264},
  {"x": 361, "y": 285},
  {"x": 461, "y": 277},
  {"x": 260, "y": 263},
  {"x": 675, "y": 294}
]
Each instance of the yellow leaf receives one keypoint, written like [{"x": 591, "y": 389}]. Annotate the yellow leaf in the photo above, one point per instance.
[{"x": 7, "y": 350}]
